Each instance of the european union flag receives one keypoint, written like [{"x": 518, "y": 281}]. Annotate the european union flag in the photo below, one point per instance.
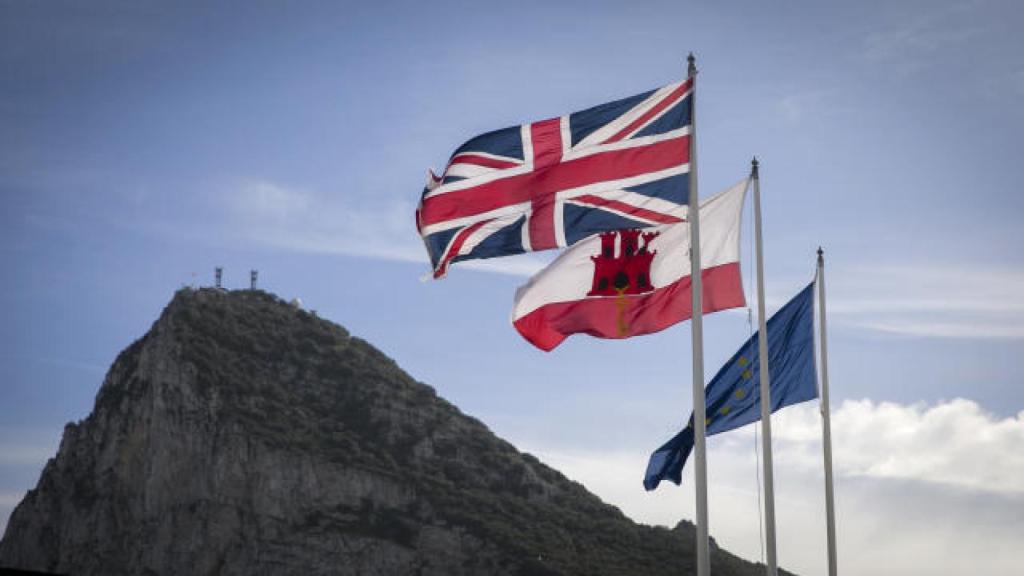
[{"x": 733, "y": 398}]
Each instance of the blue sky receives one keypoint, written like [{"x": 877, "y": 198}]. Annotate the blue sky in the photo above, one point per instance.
[{"x": 144, "y": 144}]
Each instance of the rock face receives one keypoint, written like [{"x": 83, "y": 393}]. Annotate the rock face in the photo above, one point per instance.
[{"x": 242, "y": 435}]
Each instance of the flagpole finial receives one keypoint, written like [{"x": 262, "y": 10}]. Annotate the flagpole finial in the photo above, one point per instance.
[
  {"x": 753, "y": 167},
  {"x": 691, "y": 68},
  {"x": 821, "y": 255}
]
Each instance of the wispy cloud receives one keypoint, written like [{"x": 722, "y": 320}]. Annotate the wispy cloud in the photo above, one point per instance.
[
  {"x": 944, "y": 301},
  {"x": 908, "y": 478},
  {"x": 797, "y": 107},
  {"x": 23, "y": 453},
  {"x": 30, "y": 447},
  {"x": 904, "y": 44},
  {"x": 14, "y": 454},
  {"x": 64, "y": 362},
  {"x": 954, "y": 301},
  {"x": 10, "y": 499},
  {"x": 519, "y": 265},
  {"x": 273, "y": 215},
  {"x": 916, "y": 42}
]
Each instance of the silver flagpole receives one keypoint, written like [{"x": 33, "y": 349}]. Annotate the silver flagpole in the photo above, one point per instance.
[
  {"x": 700, "y": 471},
  {"x": 766, "y": 388},
  {"x": 826, "y": 430}
]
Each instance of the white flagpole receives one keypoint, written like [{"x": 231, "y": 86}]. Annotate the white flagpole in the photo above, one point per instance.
[
  {"x": 826, "y": 430},
  {"x": 766, "y": 387},
  {"x": 700, "y": 470}
]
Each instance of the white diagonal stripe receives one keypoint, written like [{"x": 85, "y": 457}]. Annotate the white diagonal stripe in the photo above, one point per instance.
[
  {"x": 481, "y": 233},
  {"x": 615, "y": 126},
  {"x": 469, "y": 170},
  {"x": 655, "y": 117}
]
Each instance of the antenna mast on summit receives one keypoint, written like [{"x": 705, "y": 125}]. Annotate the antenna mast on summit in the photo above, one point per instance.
[{"x": 218, "y": 273}]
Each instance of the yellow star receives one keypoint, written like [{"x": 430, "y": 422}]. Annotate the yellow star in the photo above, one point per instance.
[
  {"x": 747, "y": 374},
  {"x": 743, "y": 361},
  {"x": 740, "y": 394},
  {"x": 724, "y": 410}
]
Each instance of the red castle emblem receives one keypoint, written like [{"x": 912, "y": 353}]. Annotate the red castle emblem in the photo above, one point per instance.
[{"x": 629, "y": 272}]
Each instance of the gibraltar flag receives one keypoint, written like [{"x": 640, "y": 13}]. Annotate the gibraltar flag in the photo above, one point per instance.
[{"x": 631, "y": 282}]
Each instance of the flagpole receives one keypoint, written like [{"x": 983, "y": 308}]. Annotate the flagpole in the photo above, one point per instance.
[
  {"x": 826, "y": 430},
  {"x": 697, "y": 327},
  {"x": 766, "y": 388}
]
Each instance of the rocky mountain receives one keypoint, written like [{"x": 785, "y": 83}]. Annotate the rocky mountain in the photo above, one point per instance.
[{"x": 242, "y": 435}]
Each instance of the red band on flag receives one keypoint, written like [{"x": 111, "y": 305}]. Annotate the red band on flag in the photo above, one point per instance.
[
  {"x": 603, "y": 166},
  {"x": 603, "y": 317},
  {"x": 485, "y": 161},
  {"x": 546, "y": 137}
]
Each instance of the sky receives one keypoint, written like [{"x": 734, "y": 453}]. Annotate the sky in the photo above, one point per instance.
[{"x": 145, "y": 143}]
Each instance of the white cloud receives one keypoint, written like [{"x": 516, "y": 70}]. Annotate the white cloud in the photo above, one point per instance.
[
  {"x": 953, "y": 443},
  {"x": 920, "y": 489}
]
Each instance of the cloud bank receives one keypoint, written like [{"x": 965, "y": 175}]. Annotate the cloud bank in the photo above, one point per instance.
[
  {"x": 953, "y": 443},
  {"x": 920, "y": 489}
]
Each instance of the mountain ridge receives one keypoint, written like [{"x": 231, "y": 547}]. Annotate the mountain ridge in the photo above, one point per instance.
[{"x": 241, "y": 434}]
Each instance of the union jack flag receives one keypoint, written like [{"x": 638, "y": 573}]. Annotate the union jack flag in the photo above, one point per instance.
[{"x": 547, "y": 184}]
